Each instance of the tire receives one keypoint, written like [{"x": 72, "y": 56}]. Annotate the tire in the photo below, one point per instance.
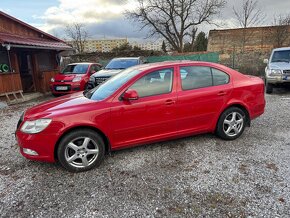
[
  {"x": 81, "y": 150},
  {"x": 269, "y": 88},
  {"x": 231, "y": 123}
]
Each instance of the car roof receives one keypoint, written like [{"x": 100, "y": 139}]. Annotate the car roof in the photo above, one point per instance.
[
  {"x": 177, "y": 63},
  {"x": 83, "y": 63},
  {"x": 126, "y": 58},
  {"x": 282, "y": 49}
]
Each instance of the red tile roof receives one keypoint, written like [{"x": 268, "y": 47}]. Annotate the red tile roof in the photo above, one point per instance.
[{"x": 13, "y": 40}]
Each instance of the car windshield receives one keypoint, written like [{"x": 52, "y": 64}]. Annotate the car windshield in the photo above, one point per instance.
[
  {"x": 121, "y": 64},
  {"x": 281, "y": 56},
  {"x": 75, "y": 69},
  {"x": 107, "y": 88}
]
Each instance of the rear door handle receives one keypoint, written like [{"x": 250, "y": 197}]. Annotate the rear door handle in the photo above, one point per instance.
[
  {"x": 222, "y": 93},
  {"x": 169, "y": 102}
]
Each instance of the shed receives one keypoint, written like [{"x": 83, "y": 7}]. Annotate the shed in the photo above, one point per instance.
[{"x": 29, "y": 57}]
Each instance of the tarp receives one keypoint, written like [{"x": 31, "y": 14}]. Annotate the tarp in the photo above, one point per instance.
[{"x": 209, "y": 57}]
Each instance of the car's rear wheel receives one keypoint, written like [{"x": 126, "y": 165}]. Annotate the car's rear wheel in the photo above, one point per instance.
[
  {"x": 81, "y": 150},
  {"x": 269, "y": 88},
  {"x": 231, "y": 123}
]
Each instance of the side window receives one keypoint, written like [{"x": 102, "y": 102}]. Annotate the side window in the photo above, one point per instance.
[
  {"x": 94, "y": 68},
  {"x": 219, "y": 77},
  {"x": 194, "y": 77},
  {"x": 155, "y": 83}
]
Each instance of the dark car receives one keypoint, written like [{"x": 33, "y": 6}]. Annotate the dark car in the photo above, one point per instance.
[{"x": 114, "y": 67}]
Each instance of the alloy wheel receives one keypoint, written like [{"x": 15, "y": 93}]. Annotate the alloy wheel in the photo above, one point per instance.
[{"x": 233, "y": 124}]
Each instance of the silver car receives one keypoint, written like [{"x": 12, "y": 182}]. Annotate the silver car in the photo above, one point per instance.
[{"x": 277, "y": 72}]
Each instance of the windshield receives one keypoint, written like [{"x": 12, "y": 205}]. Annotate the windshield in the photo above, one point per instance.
[
  {"x": 107, "y": 88},
  {"x": 121, "y": 63},
  {"x": 281, "y": 56},
  {"x": 75, "y": 69}
]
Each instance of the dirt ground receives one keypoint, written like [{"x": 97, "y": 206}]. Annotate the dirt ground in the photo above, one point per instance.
[{"x": 199, "y": 176}]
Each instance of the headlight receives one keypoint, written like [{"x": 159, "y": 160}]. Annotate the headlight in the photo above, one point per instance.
[
  {"x": 275, "y": 72},
  {"x": 35, "y": 126},
  {"x": 77, "y": 79},
  {"x": 52, "y": 80}
]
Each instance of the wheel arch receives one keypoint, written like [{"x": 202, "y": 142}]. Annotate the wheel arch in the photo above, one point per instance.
[
  {"x": 101, "y": 133},
  {"x": 240, "y": 106}
]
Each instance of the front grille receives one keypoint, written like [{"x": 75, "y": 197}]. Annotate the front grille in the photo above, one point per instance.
[
  {"x": 99, "y": 80},
  {"x": 287, "y": 72}
]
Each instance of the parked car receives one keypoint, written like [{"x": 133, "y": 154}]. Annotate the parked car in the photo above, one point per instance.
[
  {"x": 277, "y": 72},
  {"x": 142, "y": 104},
  {"x": 114, "y": 67},
  {"x": 73, "y": 78}
]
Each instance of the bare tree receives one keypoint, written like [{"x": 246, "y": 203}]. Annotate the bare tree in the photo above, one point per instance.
[
  {"x": 78, "y": 36},
  {"x": 175, "y": 19},
  {"x": 281, "y": 30},
  {"x": 250, "y": 14}
]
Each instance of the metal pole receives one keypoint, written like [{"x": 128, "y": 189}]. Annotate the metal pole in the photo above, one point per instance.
[{"x": 9, "y": 60}]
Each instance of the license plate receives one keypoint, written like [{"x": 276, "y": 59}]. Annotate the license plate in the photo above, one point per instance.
[{"x": 61, "y": 88}]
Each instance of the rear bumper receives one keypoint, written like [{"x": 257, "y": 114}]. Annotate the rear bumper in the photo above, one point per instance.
[{"x": 42, "y": 144}]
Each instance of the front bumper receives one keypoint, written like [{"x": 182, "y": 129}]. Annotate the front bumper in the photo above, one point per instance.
[
  {"x": 42, "y": 144},
  {"x": 69, "y": 88},
  {"x": 279, "y": 79}
]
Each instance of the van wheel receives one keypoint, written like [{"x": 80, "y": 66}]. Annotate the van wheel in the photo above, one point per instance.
[
  {"x": 269, "y": 88},
  {"x": 81, "y": 150},
  {"x": 231, "y": 123}
]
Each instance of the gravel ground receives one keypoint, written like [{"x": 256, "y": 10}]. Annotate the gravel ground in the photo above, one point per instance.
[{"x": 199, "y": 176}]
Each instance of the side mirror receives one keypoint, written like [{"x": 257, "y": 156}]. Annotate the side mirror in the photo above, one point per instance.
[
  {"x": 266, "y": 61},
  {"x": 130, "y": 95}
]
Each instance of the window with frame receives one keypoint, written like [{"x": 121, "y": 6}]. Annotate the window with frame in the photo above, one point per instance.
[
  {"x": 219, "y": 77},
  {"x": 155, "y": 83},
  {"x": 194, "y": 77}
]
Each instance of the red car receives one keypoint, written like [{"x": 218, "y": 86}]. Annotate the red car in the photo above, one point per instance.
[
  {"x": 73, "y": 78},
  {"x": 142, "y": 104}
]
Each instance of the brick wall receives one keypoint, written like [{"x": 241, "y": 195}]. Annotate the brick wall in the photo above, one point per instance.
[{"x": 245, "y": 49}]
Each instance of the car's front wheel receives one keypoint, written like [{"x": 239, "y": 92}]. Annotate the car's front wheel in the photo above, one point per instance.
[
  {"x": 81, "y": 150},
  {"x": 231, "y": 123}
]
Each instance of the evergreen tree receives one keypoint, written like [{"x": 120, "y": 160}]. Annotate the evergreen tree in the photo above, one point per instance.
[
  {"x": 200, "y": 43},
  {"x": 163, "y": 47}
]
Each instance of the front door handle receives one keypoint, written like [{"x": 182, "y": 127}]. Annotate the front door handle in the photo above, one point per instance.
[
  {"x": 222, "y": 93},
  {"x": 169, "y": 102}
]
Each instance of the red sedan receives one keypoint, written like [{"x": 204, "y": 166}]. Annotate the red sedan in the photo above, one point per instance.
[
  {"x": 142, "y": 104},
  {"x": 73, "y": 78}
]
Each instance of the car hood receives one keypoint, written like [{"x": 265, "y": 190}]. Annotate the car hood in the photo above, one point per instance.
[
  {"x": 106, "y": 73},
  {"x": 57, "y": 106},
  {"x": 67, "y": 77},
  {"x": 280, "y": 65}
]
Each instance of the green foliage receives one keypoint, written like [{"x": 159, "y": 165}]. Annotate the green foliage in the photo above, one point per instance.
[
  {"x": 200, "y": 43},
  {"x": 163, "y": 47}
]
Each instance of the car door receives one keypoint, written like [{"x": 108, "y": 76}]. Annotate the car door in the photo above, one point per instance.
[
  {"x": 152, "y": 116},
  {"x": 202, "y": 93}
]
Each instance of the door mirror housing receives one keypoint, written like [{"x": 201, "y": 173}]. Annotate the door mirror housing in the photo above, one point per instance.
[
  {"x": 266, "y": 61},
  {"x": 130, "y": 95}
]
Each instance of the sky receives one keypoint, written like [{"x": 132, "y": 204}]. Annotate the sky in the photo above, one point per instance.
[{"x": 105, "y": 18}]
